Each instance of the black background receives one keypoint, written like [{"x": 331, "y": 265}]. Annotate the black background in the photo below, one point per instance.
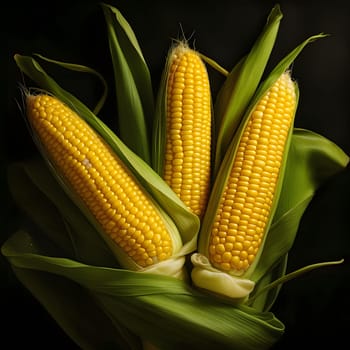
[{"x": 315, "y": 308}]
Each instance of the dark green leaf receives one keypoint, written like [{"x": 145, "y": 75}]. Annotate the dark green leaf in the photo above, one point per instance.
[
  {"x": 84, "y": 69},
  {"x": 133, "y": 84},
  {"x": 75, "y": 309},
  {"x": 240, "y": 85},
  {"x": 164, "y": 310},
  {"x": 312, "y": 160}
]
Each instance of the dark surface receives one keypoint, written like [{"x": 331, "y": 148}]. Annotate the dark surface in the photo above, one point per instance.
[{"x": 315, "y": 308}]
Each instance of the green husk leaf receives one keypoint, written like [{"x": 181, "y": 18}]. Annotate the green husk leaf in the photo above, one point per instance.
[
  {"x": 139, "y": 301},
  {"x": 133, "y": 83},
  {"x": 214, "y": 64},
  {"x": 287, "y": 277},
  {"x": 159, "y": 126},
  {"x": 266, "y": 300},
  {"x": 240, "y": 85},
  {"x": 34, "y": 71},
  {"x": 312, "y": 159},
  {"x": 72, "y": 306},
  {"x": 186, "y": 222},
  {"x": 83, "y": 69}
]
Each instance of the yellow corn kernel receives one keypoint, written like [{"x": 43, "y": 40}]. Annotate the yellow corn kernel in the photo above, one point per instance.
[
  {"x": 244, "y": 208},
  {"x": 188, "y": 128},
  {"x": 101, "y": 180}
]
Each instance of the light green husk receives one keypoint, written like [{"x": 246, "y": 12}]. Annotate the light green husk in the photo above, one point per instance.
[{"x": 240, "y": 86}]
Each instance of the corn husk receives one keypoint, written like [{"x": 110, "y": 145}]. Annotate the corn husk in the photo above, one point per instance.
[
  {"x": 240, "y": 85},
  {"x": 134, "y": 94}
]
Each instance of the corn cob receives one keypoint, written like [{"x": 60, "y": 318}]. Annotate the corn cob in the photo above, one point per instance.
[
  {"x": 238, "y": 228},
  {"x": 99, "y": 178},
  {"x": 244, "y": 208},
  {"x": 188, "y": 128}
]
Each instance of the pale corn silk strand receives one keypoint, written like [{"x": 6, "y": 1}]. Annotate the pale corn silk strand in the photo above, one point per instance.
[
  {"x": 188, "y": 128},
  {"x": 100, "y": 179},
  {"x": 244, "y": 208}
]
